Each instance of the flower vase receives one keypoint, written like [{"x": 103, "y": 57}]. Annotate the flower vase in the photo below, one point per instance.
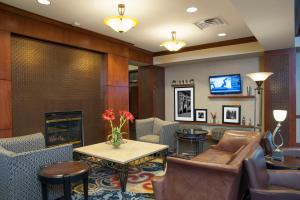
[{"x": 115, "y": 139}]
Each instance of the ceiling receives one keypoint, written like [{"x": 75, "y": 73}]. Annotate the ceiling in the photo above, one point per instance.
[{"x": 157, "y": 18}]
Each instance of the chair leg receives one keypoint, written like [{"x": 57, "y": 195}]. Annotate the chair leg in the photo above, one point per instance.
[
  {"x": 44, "y": 191},
  {"x": 86, "y": 188}
]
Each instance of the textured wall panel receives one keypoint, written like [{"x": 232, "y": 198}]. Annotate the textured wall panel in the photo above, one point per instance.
[
  {"x": 278, "y": 91},
  {"x": 48, "y": 77}
]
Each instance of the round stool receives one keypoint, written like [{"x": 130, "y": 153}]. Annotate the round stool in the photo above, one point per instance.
[{"x": 64, "y": 173}]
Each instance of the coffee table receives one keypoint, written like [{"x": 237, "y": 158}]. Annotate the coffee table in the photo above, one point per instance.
[{"x": 128, "y": 154}]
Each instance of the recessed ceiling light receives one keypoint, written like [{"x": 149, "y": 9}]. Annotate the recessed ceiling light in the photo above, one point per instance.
[
  {"x": 222, "y": 34},
  {"x": 44, "y": 2},
  {"x": 191, "y": 9},
  {"x": 76, "y": 24}
]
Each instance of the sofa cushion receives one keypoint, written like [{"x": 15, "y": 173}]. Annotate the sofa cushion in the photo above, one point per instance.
[
  {"x": 233, "y": 140},
  {"x": 150, "y": 138},
  {"x": 214, "y": 156},
  {"x": 158, "y": 123}
]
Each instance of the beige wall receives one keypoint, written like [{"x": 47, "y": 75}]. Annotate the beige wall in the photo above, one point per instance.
[
  {"x": 200, "y": 72},
  {"x": 298, "y": 94}
]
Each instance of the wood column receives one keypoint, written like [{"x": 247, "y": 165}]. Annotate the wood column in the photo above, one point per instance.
[
  {"x": 5, "y": 85},
  {"x": 280, "y": 91},
  {"x": 151, "y": 92},
  {"x": 116, "y": 85}
]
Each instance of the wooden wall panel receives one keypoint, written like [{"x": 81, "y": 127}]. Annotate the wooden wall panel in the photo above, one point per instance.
[
  {"x": 117, "y": 70},
  {"x": 5, "y": 105},
  {"x": 28, "y": 24},
  {"x": 116, "y": 85},
  {"x": 5, "y": 71},
  {"x": 5, "y": 133},
  {"x": 140, "y": 56},
  {"x": 280, "y": 91},
  {"x": 151, "y": 92},
  {"x": 5, "y": 85}
]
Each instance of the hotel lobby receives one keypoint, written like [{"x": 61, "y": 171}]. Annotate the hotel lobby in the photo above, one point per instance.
[{"x": 150, "y": 100}]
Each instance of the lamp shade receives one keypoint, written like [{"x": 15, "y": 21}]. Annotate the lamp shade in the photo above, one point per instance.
[
  {"x": 174, "y": 44},
  {"x": 120, "y": 24},
  {"x": 279, "y": 115},
  {"x": 259, "y": 76}
]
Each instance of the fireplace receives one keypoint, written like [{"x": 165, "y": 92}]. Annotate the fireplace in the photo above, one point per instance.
[{"x": 64, "y": 128}]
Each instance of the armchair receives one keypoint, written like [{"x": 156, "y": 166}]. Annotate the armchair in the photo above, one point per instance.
[
  {"x": 20, "y": 160},
  {"x": 155, "y": 130},
  {"x": 269, "y": 147},
  {"x": 270, "y": 184}
]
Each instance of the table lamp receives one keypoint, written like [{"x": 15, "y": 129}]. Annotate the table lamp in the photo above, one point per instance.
[
  {"x": 259, "y": 78},
  {"x": 279, "y": 116}
]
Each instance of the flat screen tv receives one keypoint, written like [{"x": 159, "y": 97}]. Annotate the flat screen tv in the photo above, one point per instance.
[{"x": 225, "y": 84}]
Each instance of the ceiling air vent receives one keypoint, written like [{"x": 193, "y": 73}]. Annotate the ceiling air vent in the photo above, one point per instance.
[{"x": 207, "y": 23}]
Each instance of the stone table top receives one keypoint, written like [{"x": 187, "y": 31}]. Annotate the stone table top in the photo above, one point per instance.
[{"x": 130, "y": 151}]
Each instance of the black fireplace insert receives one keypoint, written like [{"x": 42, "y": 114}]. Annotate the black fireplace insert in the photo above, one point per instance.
[{"x": 64, "y": 128}]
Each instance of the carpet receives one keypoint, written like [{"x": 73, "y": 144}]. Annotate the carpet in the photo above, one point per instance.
[{"x": 104, "y": 182}]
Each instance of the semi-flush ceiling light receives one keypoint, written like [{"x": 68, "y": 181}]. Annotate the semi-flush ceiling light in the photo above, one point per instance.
[
  {"x": 44, "y": 2},
  {"x": 191, "y": 9},
  {"x": 222, "y": 34},
  {"x": 173, "y": 45},
  {"x": 121, "y": 23}
]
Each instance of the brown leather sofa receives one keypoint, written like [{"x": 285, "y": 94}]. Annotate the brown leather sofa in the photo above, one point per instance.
[
  {"x": 213, "y": 175},
  {"x": 271, "y": 184},
  {"x": 269, "y": 147}
]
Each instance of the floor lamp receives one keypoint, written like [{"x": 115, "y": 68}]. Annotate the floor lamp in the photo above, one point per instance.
[{"x": 259, "y": 78}]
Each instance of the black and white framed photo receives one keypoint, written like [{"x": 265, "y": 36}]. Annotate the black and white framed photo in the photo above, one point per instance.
[
  {"x": 184, "y": 104},
  {"x": 201, "y": 115},
  {"x": 231, "y": 114}
]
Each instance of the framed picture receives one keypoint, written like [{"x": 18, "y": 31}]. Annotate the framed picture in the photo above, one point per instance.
[
  {"x": 184, "y": 103},
  {"x": 231, "y": 114},
  {"x": 201, "y": 115}
]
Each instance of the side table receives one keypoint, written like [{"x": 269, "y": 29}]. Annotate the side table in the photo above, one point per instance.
[
  {"x": 64, "y": 173},
  {"x": 192, "y": 135},
  {"x": 288, "y": 163}
]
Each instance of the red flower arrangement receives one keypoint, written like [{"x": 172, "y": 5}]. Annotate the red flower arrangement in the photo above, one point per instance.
[{"x": 115, "y": 137}]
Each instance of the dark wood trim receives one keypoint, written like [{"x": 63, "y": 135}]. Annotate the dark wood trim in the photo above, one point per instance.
[
  {"x": 28, "y": 24},
  {"x": 33, "y": 16},
  {"x": 140, "y": 55},
  {"x": 209, "y": 45},
  {"x": 297, "y": 116}
]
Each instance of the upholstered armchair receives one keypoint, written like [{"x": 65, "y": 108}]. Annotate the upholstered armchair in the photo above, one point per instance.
[
  {"x": 20, "y": 160},
  {"x": 155, "y": 130},
  {"x": 269, "y": 147},
  {"x": 271, "y": 184}
]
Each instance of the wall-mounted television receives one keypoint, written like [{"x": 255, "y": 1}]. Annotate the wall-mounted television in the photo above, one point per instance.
[{"x": 225, "y": 84}]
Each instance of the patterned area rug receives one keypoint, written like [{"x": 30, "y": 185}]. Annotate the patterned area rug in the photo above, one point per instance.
[{"x": 104, "y": 183}]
